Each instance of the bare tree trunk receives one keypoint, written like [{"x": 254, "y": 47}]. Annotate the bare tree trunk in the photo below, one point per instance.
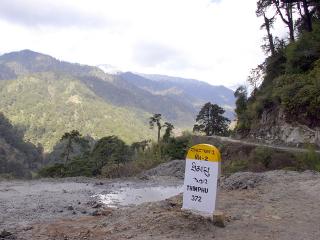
[
  {"x": 307, "y": 16},
  {"x": 159, "y": 129},
  {"x": 290, "y": 21},
  {"x": 68, "y": 150},
  {"x": 270, "y": 37}
]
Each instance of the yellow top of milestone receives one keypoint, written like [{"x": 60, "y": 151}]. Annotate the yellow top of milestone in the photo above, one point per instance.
[{"x": 205, "y": 152}]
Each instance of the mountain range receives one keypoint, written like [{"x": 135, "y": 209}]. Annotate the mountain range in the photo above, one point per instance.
[{"x": 46, "y": 97}]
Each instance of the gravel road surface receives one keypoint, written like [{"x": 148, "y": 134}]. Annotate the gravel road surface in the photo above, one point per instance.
[{"x": 271, "y": 205}]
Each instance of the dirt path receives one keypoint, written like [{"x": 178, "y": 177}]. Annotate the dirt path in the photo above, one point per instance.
[
  {"x": 283, "y": 148},
  {"x": 272, "y": 205}
]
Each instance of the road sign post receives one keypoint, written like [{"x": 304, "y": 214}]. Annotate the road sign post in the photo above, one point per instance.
[{"x": 201, "y": 179}]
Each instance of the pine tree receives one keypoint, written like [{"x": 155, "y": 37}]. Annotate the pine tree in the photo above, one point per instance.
[
  {"x": 70, "y": 137},
  {"x": 211, "y": 121}
]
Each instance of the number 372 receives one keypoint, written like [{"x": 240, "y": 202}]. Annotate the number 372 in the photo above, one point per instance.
[{"x": 195, "y": 198}]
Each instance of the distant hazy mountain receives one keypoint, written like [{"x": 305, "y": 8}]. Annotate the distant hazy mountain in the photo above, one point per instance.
[
  {"x": 47, "y": 97},
  {"x": 193, "y": 92},
  {"x": 107, "y": 68}
]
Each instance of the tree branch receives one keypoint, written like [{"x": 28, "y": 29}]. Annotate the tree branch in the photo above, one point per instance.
[{"x": 279, "y": 11}]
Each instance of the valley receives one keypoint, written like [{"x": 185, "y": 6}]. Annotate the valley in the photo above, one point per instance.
[
  {"x": 88, "y": 152},
  {"x": 46, "y": 97}
]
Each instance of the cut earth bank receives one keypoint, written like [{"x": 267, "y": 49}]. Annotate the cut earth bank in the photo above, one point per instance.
[{"x": 271, "y": 205}]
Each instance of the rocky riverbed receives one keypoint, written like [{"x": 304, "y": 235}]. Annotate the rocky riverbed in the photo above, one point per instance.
[{"x": 272, "y": 205}]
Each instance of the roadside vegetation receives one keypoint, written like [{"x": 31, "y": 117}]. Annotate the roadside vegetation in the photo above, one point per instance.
[
  {"x": 111, "y": 157},
  {"x": 289, "y": 78},
  {"x": 287, "y": 81},
  {"x": 238, "y": 158}
]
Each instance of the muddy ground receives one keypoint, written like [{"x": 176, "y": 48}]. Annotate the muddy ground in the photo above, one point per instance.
[{"x": 272, "y": 205}]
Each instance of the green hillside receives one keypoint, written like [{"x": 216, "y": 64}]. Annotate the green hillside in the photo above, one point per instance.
[
  {"x": 46, "y": 97},
  {"x": 290, "y": 88},
  {"x": 46, "y": 105},
  {"x": 111, "y": 88},
  {"x": 17, "y": 157}
]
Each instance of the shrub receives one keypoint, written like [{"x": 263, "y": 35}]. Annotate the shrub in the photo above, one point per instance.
[
  {"x": 56, "y": 170},
  {"x": 282, "y": 160},
  {"x": 263, "y": 158},
  {"x": 151, "y": 157},
  {"x": 262, "y": 155},
  {"x": 119, "y": 170},
  {"x": 109, "y": 150},
  {"x": 235, "y": 166},
  {"x": 76, "y": 167},
  {"x": 308, "y": 160},
  {"x": 80, "y": 167},
  {"x": 176, "y": 148},
  {"x": 6, "y": 176},
  {"x": 299, "y": 96},
  {"x": 302, "y": 53}
]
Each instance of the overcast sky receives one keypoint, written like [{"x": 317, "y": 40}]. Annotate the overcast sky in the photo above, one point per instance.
[{"x": 217, "y": 41}]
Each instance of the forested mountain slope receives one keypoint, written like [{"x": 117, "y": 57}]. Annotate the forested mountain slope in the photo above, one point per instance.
[
  {"x": 46, "y": 105},
  {"x": 17, "y": 157},
  {"x": 46, "y": 97}
]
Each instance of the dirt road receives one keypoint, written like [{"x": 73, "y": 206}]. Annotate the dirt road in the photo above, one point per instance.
[
  {"x": 25, "y": 202},
  {"x": 259, "y": 144},
  {"x": 271, "y": 205}
]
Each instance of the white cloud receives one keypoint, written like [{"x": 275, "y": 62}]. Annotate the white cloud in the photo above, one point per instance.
[{"x": 214, "y": 41}]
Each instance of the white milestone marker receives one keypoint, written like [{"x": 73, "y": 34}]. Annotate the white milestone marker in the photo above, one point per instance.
[{"x": 201, "y": 179}]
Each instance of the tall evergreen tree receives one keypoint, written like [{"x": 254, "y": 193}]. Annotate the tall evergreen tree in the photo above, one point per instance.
[
  {"x": 211, "y": 121},
  {"x": 70, "y": 137},
  {"x": 168, "y": 132},
  {"x": 256, "y": 76},
  {"x": 109, "y": 149},
  {"x": 287, "y": 18},
  {"x": 306, "y": 15},
  {"x": 156, "y": 120},
  {"x": 282, "y": 8}
]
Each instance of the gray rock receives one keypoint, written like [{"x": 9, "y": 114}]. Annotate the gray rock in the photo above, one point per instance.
[
  {"x": 174, "y": 168},
  {"x": 70, "y": 208},
  {"x": 219, "y": 219},
  {"x": 5, "y": 235},
  {"x": 98, "y": 183},
  {"x": 94, "y": 204},
  {"x": 241, "y": 180}
]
